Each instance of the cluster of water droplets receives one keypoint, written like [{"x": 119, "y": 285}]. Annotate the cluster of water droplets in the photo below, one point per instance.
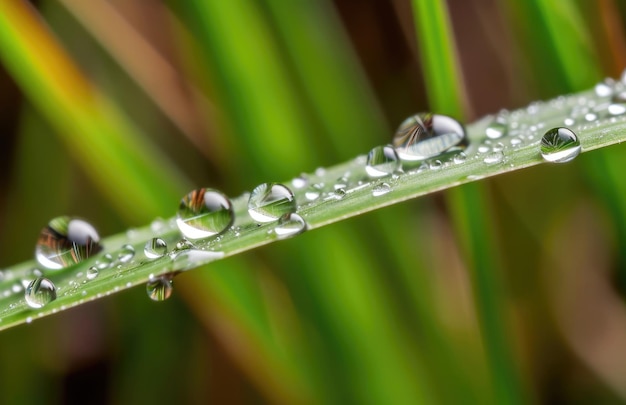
[{"x": 424, "y": 142}]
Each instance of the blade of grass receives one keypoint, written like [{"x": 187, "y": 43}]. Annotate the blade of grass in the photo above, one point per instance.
[
  {"x": 444, "y": 88},
  {"x": 89, "y": 125},
  {"x": 101, "y": 137}
]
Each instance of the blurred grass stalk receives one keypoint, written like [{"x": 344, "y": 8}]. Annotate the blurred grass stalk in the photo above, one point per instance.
[{"x": 446, "y": 95}]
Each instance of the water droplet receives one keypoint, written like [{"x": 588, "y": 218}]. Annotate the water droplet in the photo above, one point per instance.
[
  {"x": 425, "y": 135},
  {"x": 618, "y": 104},
  {"x": 40, "y": 292},
  {"x": 436, "y": 164},
  {"x": 496, "y": 129},
  {"x": 126, "y": 254},
  {"x": 498, "y": 147},
  {"x": 381, "y": 189},
  {"x": 515, "y": 142},
  {"x": 105, "y": 262},
  {"x": 290, "y": 225},
  {"x": 560, "y": 145},
  {"x": 155, "y": 248},
  {"x": 590, "y": 117},
  {"x": 92, "y": 272},
  {"x": 339, "y": 193},
  {"x": 269, "y": 201},
  {"x": 483, "y": 149},
  {"x": 300, "y": 181},
  {"x": 494, "y": 158},
  {"x": 604, "y": 88},
  {"x": 65, "y": 242},
  {"x": 460, "y": 158},
  {"x": 160, "y": 289},
  {"x": 569, "y": 121},
  {"x": 204, "y": 213},
  {"x": 313, "y": 192},
  {"x": 382, "y": 161}
]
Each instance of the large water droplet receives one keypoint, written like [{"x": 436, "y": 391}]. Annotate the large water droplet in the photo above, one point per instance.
[
  {"x": 382, "y": 161},
  {"x": 425, "y": 135},
  {"x": 560, "y": 145},
  {"x": 270, "y": 201},
  {"x": 160, "y": 289},
  {"x": 66, "y": 241},
  {"x": 40, "y": 292},
  {"x": 155, "y": 248},
  {"x": 290, "y": 225},
  {"x": 203, "y": 213}
]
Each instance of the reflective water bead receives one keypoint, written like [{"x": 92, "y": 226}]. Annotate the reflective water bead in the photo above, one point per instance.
[
  {"x": 160, "y": 289},
  {"x": 618, "y": 104},
  {"x": 560, "y": 145},
  {"x": 313, "y": 192},
  {"x": 382, "y": 161},
  {"x": 494, "y": 158},
  {"x": 203, "y": 213},
  {"x": 381, "y": 189},
  {"x": 426, "y": 135},
  {"x": 290, "y": 225},
  {"x": 269, "y": 201},
  {"x": 92, "y": 273},
  {"x": 496, "y": 129},
  {"x": 65, "y": 242},
  {"x": 40, "y": 292},
  {"x": 300, "y": 181},
  {"x": 459, "y": 158},
  {"x": 155, "y": 248},
  {"x": 604, "y": 88},
  {"x": 126, "y": 253}
]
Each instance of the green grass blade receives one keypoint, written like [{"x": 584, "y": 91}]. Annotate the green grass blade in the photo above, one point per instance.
[
  {"x": 444, "y": 88},
  {"x": 91, "y": 127},
  {"x": 325, "y": 210},
  {"x": 438, "y": 57}
]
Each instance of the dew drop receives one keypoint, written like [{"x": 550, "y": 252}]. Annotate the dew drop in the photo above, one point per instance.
[
  {"x": 126, "y": 254},
  {"x": 204, "y": 213},
  {"x": 496, "y": 129},
  {"x": 313, "y": 192},
  {"x": 40, "y": 292},
  {"x": 300, "y": 181},
  {"x": 269, "y": 201},
  {"x": 560, "y": 145},
  {"x": 92, "y": 272},
  {"x": 65, "y": 242},
  {"x": 289, "y": 225},
  {"x": 155, "y": 248},
  {"x": 382, "y": 161},
  {"x": 604, "y": 88},
  {"x": 618, "y": 104},
  {"x": 426, "y": 135},
  {"x": 381, "y": 189},
  {"x": 436, "y": 164},
  {"x": 494, "y": 158},
  {"x": 105, "y": 262},
  {"x": 483, "y": 149},
  {"x": 160, "y": 289},
  {"x": 460, "y": 158},
  {"x": 569, "y": 121}
]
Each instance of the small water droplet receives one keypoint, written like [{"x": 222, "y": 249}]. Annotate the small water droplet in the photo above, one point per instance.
[
  {"x": 16, "y": 287},
  {"x": 618, "y": 104},
  {"x": 289, "y": 225},
  {"x": 425, "y": 135},
  {"x": 155, "y": 248},
  {"x": 204, "y": 213},
  {"x": 313, "y": 192},
  {"x": 381, "y": 189},
  {"x": 126, "y": 254},
  {"x": 498, "y": 147},
  {"x": 569, "y": 121},
  {"x": 65, "y": 242},
  {"x": 496, "y": 129},
  {"x": 339, "y": 193},
  {"x": 484, "y": 149},
  {"x": 590, "y": 117},
  {"x": 382, "y": 161},
  {"x": 40, "y": 292},
  {"x": 460, "y": 158},
  {"x": 604, "y": 88},
  {"x": 105, "y": 262},
  {"x": 269, "y": 201},
  {"x": 494, "y": 158},
  {"x": 300, "y": 181},
  {"x": 160, "y": 289},
  {"x": 515, "y": 142},
  {"x": 436, "y": 164},
  {"x": 560, "y": 145},
  {"x": 92, "y": 272}
]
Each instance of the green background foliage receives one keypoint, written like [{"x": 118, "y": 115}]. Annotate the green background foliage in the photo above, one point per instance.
[{"x": 510, "y": 291}]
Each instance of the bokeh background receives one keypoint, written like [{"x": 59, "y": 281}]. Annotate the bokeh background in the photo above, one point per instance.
[{"x": 112, "y": 110}]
